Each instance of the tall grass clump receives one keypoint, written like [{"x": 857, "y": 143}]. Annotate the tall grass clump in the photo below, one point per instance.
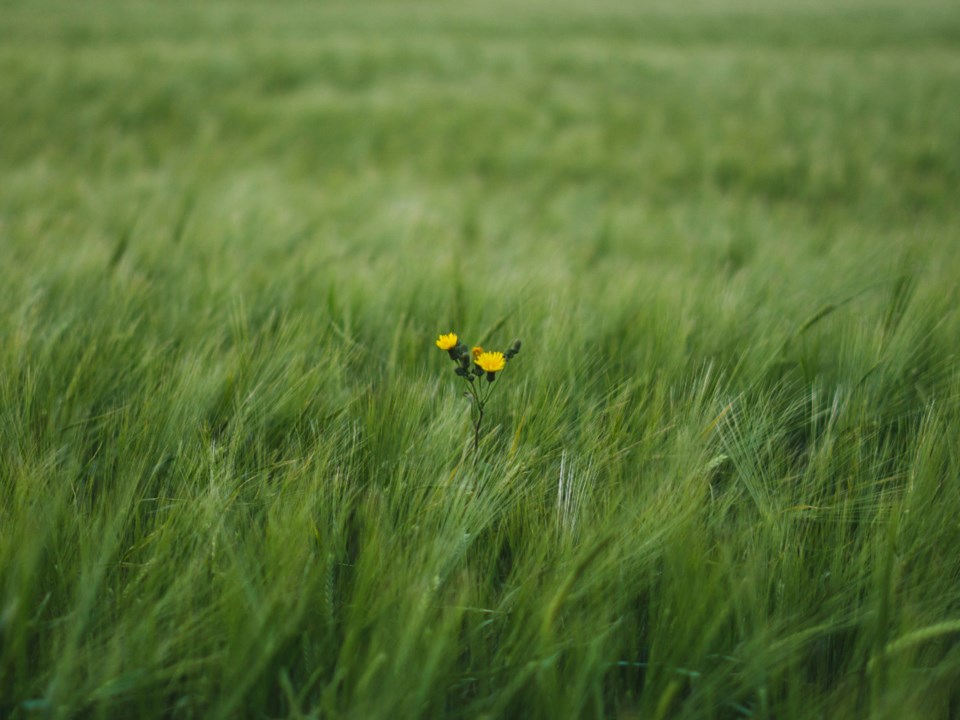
[{"x": 236, "y": 479}]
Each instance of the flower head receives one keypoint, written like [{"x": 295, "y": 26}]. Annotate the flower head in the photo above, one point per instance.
[
  {"x": 491, "y": 362},
  {"x": 447, "y": 342},
  {"x": 476, "y": 352}
]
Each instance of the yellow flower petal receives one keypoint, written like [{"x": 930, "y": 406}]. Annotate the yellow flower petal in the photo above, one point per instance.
[
  {"x": 491, "y": 362},
  {"x": 448, "y": 341}
]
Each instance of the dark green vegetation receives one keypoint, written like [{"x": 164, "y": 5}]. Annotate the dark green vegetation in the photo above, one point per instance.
[{"x": 721, "y": 480}]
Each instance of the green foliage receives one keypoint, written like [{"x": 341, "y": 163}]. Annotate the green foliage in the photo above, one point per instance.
[{"x": 723, "y": 486}]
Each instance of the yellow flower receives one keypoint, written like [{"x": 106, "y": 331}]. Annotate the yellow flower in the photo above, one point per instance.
[
  {"x": 491, "y": 362},
  {"x": 447, "y": 342},
  {"x": 476, "y": 352}
]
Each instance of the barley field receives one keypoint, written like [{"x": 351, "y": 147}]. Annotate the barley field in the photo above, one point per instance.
[{"x": 720, "y": 480}]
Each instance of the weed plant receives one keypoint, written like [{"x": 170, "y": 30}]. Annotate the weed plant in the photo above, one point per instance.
[{"x": 471, "y": 364}]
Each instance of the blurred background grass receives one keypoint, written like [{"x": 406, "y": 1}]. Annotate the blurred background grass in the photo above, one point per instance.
[{"x": 720, "y": 480}]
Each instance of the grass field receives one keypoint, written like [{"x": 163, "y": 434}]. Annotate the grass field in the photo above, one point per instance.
[{"x": 721, "y": 480}]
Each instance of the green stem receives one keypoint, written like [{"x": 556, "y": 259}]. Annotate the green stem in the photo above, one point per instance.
[
  {"x": 476, "y": 428},
  {"x": 480, "y": 400},
  {"x": 478, "y": 419},
  {"x": 478, "y": 424}
]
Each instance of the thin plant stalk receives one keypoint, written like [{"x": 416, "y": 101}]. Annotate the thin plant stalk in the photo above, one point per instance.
[{"x": 479, "y": 400}]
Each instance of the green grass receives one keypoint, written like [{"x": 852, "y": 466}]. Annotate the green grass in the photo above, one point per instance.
[{"x": 719, "y": 481}]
